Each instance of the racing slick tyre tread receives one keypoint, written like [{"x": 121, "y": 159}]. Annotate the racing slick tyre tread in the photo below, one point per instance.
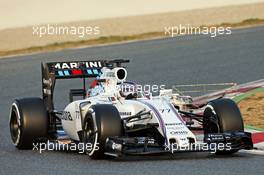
[
  {"x": 108, "y": 124},
  {"x": 228, "y": 118},
  {"x": 28, "y": 121}
]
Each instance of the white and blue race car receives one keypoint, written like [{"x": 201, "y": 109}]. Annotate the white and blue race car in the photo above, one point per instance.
[{"x": 117, "y": 119}]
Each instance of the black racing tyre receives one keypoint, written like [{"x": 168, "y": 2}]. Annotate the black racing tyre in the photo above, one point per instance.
[
  {"x": 101, "y": 122},
  {"x": 28, "y": 121},
  {"x": 222, "y": 115}
]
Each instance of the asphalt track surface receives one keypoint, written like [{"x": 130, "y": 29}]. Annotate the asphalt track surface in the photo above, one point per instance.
[{"x": 182, "y": 60}]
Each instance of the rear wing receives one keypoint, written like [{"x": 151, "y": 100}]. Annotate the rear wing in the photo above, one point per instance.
[{"x": 68, "y": 70}]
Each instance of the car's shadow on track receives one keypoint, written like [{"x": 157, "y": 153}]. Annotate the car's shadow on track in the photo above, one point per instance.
[
  {"x": 143, "y": 158},
  {"x": 179, "y": 156}
]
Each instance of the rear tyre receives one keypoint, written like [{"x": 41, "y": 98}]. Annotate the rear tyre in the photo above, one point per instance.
[
  {"x": 28, "y": 121},
  {"x": 222, "y": 115},
  {"x": 101, "y": 122}
]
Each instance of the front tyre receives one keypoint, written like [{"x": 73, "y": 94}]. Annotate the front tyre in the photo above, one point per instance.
[
  {"x": 101, "y": 122},
  {"x": 222, "y": 115},
  {"x": 28, "y": 121}
]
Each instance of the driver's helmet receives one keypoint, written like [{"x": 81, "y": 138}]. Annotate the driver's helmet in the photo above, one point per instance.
[
  {"x": 95, "y": 89},
  {"x": 94, "y": 83}
]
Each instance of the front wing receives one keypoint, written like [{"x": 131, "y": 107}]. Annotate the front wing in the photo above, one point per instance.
[{"x": 229, "y": 141}]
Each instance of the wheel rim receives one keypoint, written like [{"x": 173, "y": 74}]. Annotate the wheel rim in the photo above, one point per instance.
[
  {"x": 14, "y": 127},
  {"x": 90, "y": 134},
  {"x": 210, "y": 121}
]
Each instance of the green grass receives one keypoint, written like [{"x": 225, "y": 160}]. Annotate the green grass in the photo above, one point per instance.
[{"x": 248, "y": 94}]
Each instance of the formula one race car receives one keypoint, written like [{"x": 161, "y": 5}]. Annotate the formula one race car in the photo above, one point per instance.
[{"x": 118, "y": 119}]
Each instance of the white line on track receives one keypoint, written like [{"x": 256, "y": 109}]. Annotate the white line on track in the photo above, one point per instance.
[{"x": 256, "y": 152}]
